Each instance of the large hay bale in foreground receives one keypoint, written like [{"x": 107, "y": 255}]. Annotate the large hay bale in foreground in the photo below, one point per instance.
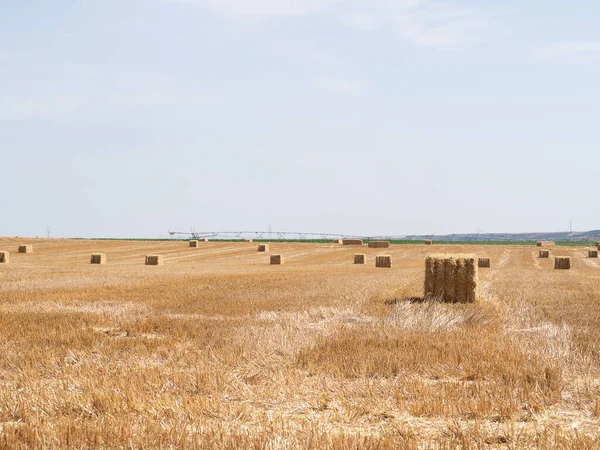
[
  {"x": 384, "y": 261},
  {"x": 26, "y": 248},
  {"x": 98, "y": 258},
  {"x": 352, "y": 241},
  {"x": 379, "y": 244},
  {"x": 359, "y": 259},
  {"x": 562, "y": 262},
  {"x": 451, "y": 278},
  {"x": 544, "y": 254},
  {"x": 193, "y": 244},
  {"x": 276, "y": 260},
  {"x": 484, "y": 263},
  {"x": 428, "y": 242},
  {"x": 263, "y": 247},
  {"x": 546, "y": 244},
  {"x": 4, "y": 257},
  {"x": 154, "y": 260},
  {"x": 592, "y": 253}
]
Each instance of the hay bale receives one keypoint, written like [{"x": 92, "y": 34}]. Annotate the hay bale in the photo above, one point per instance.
[
  {"x": 203, "y": 240},
  {"x": 428, "y": 242},
  {"x": 4, "y": 257},
  {"x": 592, "y": 253},
  {"x": 337, "y": 241},
  {"x": 359, "y": 259},
  {"x": 379, "y": 244},
  {"x": 276, "y": 260},
  {"x": 484, "y": 263},
  {"x": 352, "y": 242},
  {"x": 383, "y": 261},
  {"x": 98, "y": 258},
  {"x": 193, "y": 244},
  {"x": 451, "y": 278},
  {"x": 562, "y": 262},
  {"x": 154, "y": 260},
  {"x": 546, "y": 244},
  {"x": 263, "y": 247},
  {"x": 544, "y": 254},
  {"x": 27, "y": 248},
  {"x": 248, "y": 240}
]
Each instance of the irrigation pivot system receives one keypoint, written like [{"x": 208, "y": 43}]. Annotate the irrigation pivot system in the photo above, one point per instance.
[{"x": 279, "y": 235}]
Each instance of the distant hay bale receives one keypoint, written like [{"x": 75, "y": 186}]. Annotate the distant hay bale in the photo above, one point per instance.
[
  {"x": 203, "y": 240},
  {"x": 263, "y": 247},
  {"x": 276, "y": 260},
  {"x": 379, "y": 244},
  {"x": 544, "y": 254},
  {"x": 428, "y": 242},
  {"x": 4, "y": 257},
  {"x": 592, "y": 253},
  {"x": 451, "y": 278},
  {"x": 352, "y": 242},
  {"x": 359, "y": 259},
  {"x": 154, "y": 260},
  {"x": 337, "y": 241},
  {"x": 248, "y": 240},
  {"x": 484, "y": 263},
  {"x": 546, "y": 244},
  {"x": 193, "y": 244},
  {"x": 27, "y": 248},
  {"x": 98, "y": 258},
  {"x": 562, "y": 262},
  {"x": 384, "y": 261}
]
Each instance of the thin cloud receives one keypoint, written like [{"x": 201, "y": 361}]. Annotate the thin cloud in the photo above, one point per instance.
[
  {"x": 576, "y": 52},
  {"x": 421, "y": 22}
]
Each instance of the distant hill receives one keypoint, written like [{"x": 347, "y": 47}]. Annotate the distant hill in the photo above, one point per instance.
[{"x": 559, "y": 236}]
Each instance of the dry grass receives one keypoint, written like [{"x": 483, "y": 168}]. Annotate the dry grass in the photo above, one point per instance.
[{"x": 217, "y": 350}]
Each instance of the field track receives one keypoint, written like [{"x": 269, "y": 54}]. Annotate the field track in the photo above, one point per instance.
[{"x": 217, "y": 348}]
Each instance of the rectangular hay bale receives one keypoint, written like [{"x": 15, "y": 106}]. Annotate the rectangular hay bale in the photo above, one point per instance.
[
  {"x": 359, "y": 259},
  {"x": 26, "y": 248},
  {"x": 451, "y": 278},
  {"x": 379, "y": 244},
  {"x": 562, "y": 263},
  {"x": 383, "y": 261},
  {"x": 544, "y": 254},
  {"x": 484, "y": 263},
  {"x": 4, "y": 257},
  {"x": 154, "y": 260},
  {"x": 193, "y": 244},
  {"x": 276, "y": 260},
  {"x": 263, "y": 248},
  {"x": 203, "y": 240},
  {"x": 428, "y": 242},
  {"x": 98, "y": 258},
  {"x": 352, "y": 241},
  {"x": 592, "y": 253},
  {"x": 546, "y": 244}
]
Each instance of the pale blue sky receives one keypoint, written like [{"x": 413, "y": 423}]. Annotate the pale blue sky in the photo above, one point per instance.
[{"x": 368, "y": 117}]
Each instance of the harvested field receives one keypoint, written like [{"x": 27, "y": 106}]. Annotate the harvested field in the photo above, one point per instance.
[{"x": 215, "y": 349}]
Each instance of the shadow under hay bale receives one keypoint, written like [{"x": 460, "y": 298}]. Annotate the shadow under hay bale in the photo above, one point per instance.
[
  {"x": 154, "y": 260},
  {"x": 276, "y": 260},
  {"x": 562, "y": 263},
  {"x": 383, "y": 261},
  {"x": 263, "y": 248},
  {"x": 352, "y": 242},
  {"x": 27, "y": 248},
  {"x": 397, "y": 301},
  {"x": 359, "y": 259},
  {"x": 98, "y": 258},
  {"x": 544, "y": 254},
  {"x": 484, "y": 263},
  {"x": 4, "y": 257},
  {"x": 451, "y": 278},
  {"x": 379, "y": 244}
]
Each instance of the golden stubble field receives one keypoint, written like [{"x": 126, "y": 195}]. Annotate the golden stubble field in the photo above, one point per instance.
[{"x": 218, "y": 349}]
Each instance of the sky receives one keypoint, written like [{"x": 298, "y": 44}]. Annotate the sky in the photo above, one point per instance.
[{"x": 129, "y": 118}]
